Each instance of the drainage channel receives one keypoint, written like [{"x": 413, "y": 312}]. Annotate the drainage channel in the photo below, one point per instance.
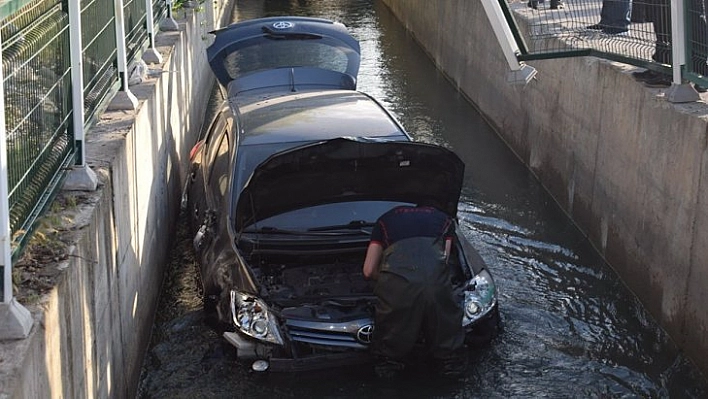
[{"x": 571, "y": 328}]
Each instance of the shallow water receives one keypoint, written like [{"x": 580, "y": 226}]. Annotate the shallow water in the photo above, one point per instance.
[{"x": 571, "y": 328}]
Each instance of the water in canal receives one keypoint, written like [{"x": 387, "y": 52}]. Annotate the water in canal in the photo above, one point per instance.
[{"x": 571, "y": 329}]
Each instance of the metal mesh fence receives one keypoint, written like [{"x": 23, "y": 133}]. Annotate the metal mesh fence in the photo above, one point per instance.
[
  {"x": 36, "y": 68},
  {"x": 601, "y": 25},
  {"x": 134, "y": 12},
  {"x": 36, "y": 55},
  {"x": 100, "y": 55},
  {"x": 38, "y": 98},
  {"x": 697, "y": 40},
  {"x": 159, "y": 10},
  {"x": 634, "y": 32}
]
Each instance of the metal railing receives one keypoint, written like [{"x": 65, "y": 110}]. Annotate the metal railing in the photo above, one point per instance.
[
  {"x": 99, "y": 53},
  {"x": 134, "y": 12},
  {"x": 629, "y": 31},
  {"x": 37, "y": 84},
  {"x": 44, "y": 43}
]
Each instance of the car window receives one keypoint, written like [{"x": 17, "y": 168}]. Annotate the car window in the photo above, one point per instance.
[
  {"x": 272, "y": 54},
  {"x": 213, "y": 135},
  {"x": 219, "y": 176},
  {"x": 250, "y": 156}
]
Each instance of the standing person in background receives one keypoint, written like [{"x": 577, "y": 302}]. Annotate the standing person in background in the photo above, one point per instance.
[
  {"x": 555, "y": 4},
  {"x": 658, "y": 13},
  {"x": 407, "y": 256},
  {"x": 615, "y": 17}
]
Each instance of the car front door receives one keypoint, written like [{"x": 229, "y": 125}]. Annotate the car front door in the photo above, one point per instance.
[{"x": 209, "y": 180}]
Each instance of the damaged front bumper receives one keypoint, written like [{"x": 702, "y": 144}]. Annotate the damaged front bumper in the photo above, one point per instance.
[
  {"x": 261, "y": 356},
  {"x": 330, "y": 334},
  {"x": 340, "y": 336}
]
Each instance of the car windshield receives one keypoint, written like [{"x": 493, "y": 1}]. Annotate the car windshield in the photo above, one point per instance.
[
  {"x": 250, "y": 156},
  {"x": 319, "y": 217},
  {"x": 266, "y": 54},
  {"x": 342, "y": 216}
]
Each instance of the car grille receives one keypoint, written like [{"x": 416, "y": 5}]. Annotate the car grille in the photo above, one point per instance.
[{"x": 343, "y": 335}]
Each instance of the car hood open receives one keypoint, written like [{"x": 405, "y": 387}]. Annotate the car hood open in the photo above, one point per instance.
[{"x": 348, "y": 169}]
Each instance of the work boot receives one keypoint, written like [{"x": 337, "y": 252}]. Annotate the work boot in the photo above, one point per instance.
[
  {"x": 388, "y": 368},
  {"x": 612, "y": 30},
  {"x": 644, "y": 76},
  {"x": 556, "y": 4},
  {"x": 659, "y": 81}
]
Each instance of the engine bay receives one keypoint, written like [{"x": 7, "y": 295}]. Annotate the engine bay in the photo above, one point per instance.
[
  {"x": 310, "y": 279},
  {"x": 324, "y": 278}
]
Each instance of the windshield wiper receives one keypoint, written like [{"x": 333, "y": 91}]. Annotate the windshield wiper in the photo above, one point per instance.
[
  {"x": 275, "y": 230},
  {"x": 271, "y": 230},
  {"x": 353, "y": 225}
]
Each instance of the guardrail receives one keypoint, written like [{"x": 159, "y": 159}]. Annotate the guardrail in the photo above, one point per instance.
[{"x": 62, "y": 63}]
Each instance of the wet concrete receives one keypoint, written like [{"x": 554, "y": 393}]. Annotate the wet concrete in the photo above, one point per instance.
[{"x": 571, "y": 328}]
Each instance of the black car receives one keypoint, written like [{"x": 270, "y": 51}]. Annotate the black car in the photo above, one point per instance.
[{"x": 285, "y": 186}]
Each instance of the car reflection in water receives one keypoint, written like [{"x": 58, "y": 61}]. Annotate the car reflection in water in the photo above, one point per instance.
[{"x": 285, "y": 186}]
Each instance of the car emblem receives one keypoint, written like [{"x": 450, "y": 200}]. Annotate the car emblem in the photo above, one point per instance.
[
  {"x": 365, "y": 333},
  {"x": 282, "y": 25}
]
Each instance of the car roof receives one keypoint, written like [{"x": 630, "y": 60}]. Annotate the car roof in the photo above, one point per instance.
[{"x": 313, "y": 115}]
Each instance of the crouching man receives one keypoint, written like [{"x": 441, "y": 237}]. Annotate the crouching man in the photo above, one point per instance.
[{"x": 407, "y": 256}]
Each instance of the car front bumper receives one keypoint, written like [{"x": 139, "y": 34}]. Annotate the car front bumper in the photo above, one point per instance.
[
  {"x": 252, "y": 350},
  {"x": 249, "y": 350}
]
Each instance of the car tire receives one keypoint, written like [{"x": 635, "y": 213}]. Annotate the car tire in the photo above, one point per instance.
[{"x": 209, "y": 305}]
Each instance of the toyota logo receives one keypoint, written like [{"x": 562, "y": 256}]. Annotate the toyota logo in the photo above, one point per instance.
[
  {"x": 282, "y": 25},
  {"x": 365, "y": 333}
]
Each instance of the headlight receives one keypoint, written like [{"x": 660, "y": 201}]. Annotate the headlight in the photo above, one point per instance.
[
  {"x": 480, "y": 298},
  {"x": 252, "y": 317}
]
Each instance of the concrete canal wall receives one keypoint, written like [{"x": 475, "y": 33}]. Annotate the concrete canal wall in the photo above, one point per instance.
[
  {"x": 92, "y": 329},
  {"x": 630, "y": 168}
]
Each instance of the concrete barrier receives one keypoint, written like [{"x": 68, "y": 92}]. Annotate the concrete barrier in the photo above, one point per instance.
[
  {"x": 630, "y": 168},
  {"x": 92, "y": 328}
]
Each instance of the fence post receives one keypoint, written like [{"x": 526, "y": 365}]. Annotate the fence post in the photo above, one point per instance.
[
  {"x": 169, "y": 23},
  {"x": 15, "y": 319},
  {"x": 679, "y": 92},
  {"x": 151, "y": 55},
  {"x": 81, "y": 177},
  {"x": 520, "y": 73},
  {"x": 124, "y": 99}
]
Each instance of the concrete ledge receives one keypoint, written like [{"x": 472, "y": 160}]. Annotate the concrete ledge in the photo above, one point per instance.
[
  {"x": 123, "y": 100},
  {"x": 629, "y": 166},
  {"x": 92, "y": 325}
]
